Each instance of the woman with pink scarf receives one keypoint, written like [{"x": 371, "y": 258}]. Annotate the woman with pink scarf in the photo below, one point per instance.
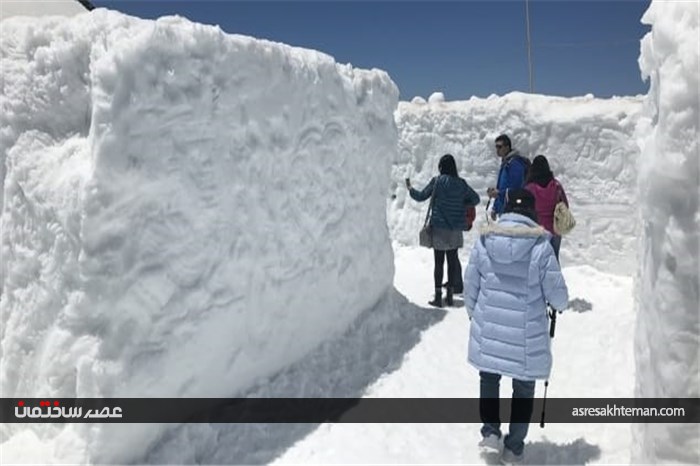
[{"x": 548, "y": 192}]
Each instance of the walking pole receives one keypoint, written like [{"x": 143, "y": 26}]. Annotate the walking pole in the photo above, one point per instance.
[
  {"x": 552, "y": 324},
  {"x": 553, "y": 321},
  {"x": 544, "y": 402}
]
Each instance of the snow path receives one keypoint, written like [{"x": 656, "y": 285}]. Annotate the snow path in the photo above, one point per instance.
[{"x": 593, "y": 357}]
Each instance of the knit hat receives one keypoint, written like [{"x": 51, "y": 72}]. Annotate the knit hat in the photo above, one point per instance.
[{"x": 521, "y": 201}]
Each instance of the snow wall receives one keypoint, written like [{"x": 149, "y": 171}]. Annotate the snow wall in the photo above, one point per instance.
[
  {"x": 589, "y": 143},
  {"x": 40, "y": 8},
  {"x": 667, "y": 344},
  {"x": 93, "y": 194},
  {"x": 184, "y": 212}
]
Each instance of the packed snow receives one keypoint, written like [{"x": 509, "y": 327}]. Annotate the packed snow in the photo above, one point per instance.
[
  {"x": 184, "y": 211},
  {"x": 589, "y": 143},
  {"x": 10, "y": 8},
  {"x": 438, "y": 368},
  {"x": 189, "y": 213},
  {"x": 667, "y": 343}
]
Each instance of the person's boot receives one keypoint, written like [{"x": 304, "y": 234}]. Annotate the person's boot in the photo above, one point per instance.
[
  {"x": 449, "y": 301},
  {"x": 437, "y": 301}
]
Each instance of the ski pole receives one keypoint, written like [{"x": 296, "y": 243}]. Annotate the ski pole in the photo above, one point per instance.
[
  {"x": 553, "y": 322},
  {"x": 552, "y": 325},
  {"x": 544, "y": 402}
]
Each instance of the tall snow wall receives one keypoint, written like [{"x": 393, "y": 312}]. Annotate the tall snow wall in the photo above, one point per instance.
[
  {"x": 184, "y": 212},
  {"x": 667, "y": 344},
  {"x": 589, "y": 143}
]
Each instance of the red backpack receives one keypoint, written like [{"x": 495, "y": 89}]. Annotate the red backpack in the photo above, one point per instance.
[{"x": 469, "y": 218}]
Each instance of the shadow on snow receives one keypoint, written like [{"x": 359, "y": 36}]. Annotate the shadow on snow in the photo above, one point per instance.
[
  {"x": 545, "y": 452},
  {"x": 344, "y": 367}
]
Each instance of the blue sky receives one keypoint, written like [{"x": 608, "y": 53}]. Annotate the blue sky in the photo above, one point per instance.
[{"x": 460, "y": 48}]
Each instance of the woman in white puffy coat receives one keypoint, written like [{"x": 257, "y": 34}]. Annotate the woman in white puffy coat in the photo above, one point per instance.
[{"x": 512, "y": 275}]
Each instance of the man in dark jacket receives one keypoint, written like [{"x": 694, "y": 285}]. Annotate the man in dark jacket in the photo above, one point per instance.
[{"x": 511, "y": 175}]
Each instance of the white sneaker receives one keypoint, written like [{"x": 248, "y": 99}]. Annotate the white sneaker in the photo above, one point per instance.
[
  {"x": 509, "y": 457},
  {"x": 490, "y": 443}
]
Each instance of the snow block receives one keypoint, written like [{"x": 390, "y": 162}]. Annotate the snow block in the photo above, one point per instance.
[
  {"x": 589, "y": 143},
  {"x": 184, "y": 212},
  {"x": 667, "y": 340}
]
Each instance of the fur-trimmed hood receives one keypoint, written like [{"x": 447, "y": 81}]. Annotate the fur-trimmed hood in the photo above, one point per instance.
[
  {"x": 511, "y": 155},
  {"x": 512, "y": 237}
]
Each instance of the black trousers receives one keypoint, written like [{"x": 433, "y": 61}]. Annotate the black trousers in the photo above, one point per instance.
[{"x": 454, "y": 269}]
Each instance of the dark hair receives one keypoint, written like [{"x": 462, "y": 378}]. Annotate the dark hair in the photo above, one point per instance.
[
  {"x": 505, "y": 140},
  {"x": 539, "y": 172},
  {"x": 521, "y": 201},
  {"x": 447, "y": 165}
]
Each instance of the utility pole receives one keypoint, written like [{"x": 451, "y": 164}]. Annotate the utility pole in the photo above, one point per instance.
[{"x": 529, "y": 51}]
